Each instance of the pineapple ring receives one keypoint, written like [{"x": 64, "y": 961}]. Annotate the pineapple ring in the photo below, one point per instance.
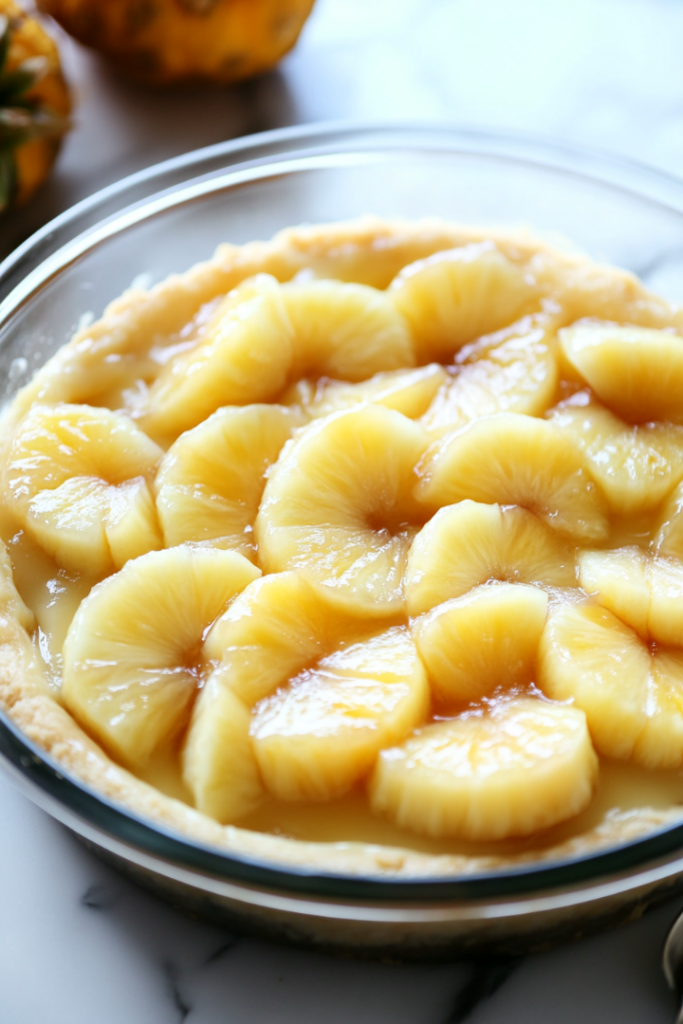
[
  {"x": 78, "y": 479},
  {"x": 339, "y": 507},
  {"x": 643, "y": 590},
  {"x": 636, "y": 372},
  {"x": 319, "y": 735},
  {"x": 263, "y": 336},
  {"x": 486, "y": 639},
  {"x": 474, "y": 637},
  {"x": 242, "y": 356},
  {"x": 407, "y": 391},
  {"x": 345, "y": 331},
  {"x": 210, "y": 482},
  {"x": 636, "y": 467},
  {"x": 457, "y": 295},
  {"x": 468, "y": 544},
  {"x": 522, "y": 766},
  {"x": 514, "y": 370},
  {"x": 516, "y": 460},
  {"x": 279, "y": 642},
  {"x": 131, "y": 653},
  {"x": 632, "y": 696}
]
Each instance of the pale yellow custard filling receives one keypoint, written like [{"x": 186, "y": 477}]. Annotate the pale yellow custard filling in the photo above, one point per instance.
[{"x": 386, "y": 554}]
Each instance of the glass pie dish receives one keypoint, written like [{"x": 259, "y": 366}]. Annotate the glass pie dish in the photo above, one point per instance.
[{"x": 164, "y": 221}]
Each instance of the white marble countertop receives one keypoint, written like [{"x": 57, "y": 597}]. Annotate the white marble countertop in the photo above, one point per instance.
[{"x": 79, "y": 944}]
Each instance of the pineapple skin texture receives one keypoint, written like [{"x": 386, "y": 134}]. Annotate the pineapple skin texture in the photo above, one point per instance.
[
  {"x": 34, "y": 159},
  {"x": 166, "y": 41}
]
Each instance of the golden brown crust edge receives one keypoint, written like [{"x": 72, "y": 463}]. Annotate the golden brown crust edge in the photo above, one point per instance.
[{"x": 372, "y": 251}]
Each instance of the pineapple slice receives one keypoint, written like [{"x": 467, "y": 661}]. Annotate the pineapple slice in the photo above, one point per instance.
[
  {"x": 408, "y": 391},
  {"x": 210, "y": 482},
  {"x": 514, "y": 370},
  {"x": 488, "y": 638},
  {"x": 635, "y": 371},
  {"x": 272, "y": 631},
  {"x": 632, "y": 696},
  {"x": 78, "y": 478},
  {"x": 669, "y": 538},
  {"x": 589, "y": 656},
  {"x": 264, "y": 336},
  {"x": 516, "y": 460},
  {"x": 219, "y": 767},
  {"x": 279, "y": 630},
  {"x": 345, "y": 331},
  {"x": 661, "y": 742},
  {"x": 338, "y": 507},
  {"x": 644, "y": 590},
  {"x": 664, "y": 578},
  {"x": 131, "y": 653},
  {"x": 521, "y": 766},
  {"x": 455, "y": 296},
  {"x": 636, "y": 467},
  {"x": 243, "y": 356},
  {"x": 320, "y": 734},
  {"x": 132, "y": 527},
  {"x": 469, "y": 544},
  {"x": 277, "y": 627},
  {"x": 617, "y": 579}
]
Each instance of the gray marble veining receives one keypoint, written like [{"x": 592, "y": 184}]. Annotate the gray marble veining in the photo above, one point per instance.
[{"x": 80, "y": 944}]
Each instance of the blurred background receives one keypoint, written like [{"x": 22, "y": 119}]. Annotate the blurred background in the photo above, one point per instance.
[{"x": 597, "y": 73}]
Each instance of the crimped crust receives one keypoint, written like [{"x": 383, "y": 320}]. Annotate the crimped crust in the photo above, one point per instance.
[{"x": 368, "y": 251}]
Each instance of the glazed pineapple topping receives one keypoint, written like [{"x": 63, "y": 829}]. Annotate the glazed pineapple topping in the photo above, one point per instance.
[{"x": 399, "y": 524}]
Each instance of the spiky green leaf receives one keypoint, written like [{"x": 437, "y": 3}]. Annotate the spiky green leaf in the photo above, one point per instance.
[{"x": 13, "y": 84}]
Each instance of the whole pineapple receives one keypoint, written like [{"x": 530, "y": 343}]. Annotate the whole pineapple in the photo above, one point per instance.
[
  {"x": 164, "y": 41},
  {"x": 34, "y": 104}
]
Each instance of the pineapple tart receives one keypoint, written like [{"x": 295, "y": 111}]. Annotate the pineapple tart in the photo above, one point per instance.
[{"x": 386, "y": 555}]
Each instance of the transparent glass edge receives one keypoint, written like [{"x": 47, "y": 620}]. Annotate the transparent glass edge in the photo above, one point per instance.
[{"x": 612, "y": 168}]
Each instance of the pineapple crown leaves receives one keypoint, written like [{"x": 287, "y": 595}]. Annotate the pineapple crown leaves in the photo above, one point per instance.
[{"x": 22, "y": 118}]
